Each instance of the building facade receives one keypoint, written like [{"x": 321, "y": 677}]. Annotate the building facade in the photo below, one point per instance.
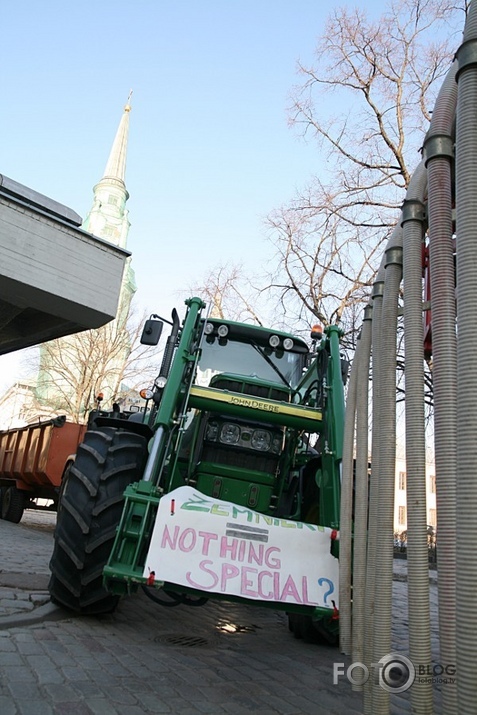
[{"x": 400, "y": 496}]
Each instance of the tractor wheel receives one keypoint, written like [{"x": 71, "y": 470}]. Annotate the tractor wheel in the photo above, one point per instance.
[
  {"x": 13, "y": 504},
  {"x": 302, "y": 627},
  {"x": 92, "y": 499}
]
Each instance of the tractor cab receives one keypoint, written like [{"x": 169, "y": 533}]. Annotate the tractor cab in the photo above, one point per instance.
[{"x": 233, "y": 447}]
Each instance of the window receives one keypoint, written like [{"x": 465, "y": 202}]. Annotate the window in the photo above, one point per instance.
[
  {"x": 402, "y": 516},
  {"x": 432, "y": 517},
  {"x": 402, "y": 481},
  {"x": 113, "y": 200},
  {"x": 249, "y": 358},
  {"x": 432, "y": 487}
]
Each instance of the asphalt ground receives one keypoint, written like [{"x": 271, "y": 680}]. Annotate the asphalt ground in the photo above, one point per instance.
[{"x": 144, "y": 659}]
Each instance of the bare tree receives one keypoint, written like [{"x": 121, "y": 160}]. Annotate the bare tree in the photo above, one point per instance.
[
  {"x": 229, "y": 294},
  {"x": 109, "y": 360},
  {"x": 324, "y": 271},
  {"x": 367, "y": 102}
]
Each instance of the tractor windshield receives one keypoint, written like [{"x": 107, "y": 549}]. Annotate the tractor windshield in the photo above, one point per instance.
[{"x": 249, "y": 359}]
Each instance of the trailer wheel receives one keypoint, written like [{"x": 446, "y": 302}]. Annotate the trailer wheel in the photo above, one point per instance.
[
  {"x": 13, "y": 504},
  {"x": 61, "y": 489},
  {"x": 108, "y": 460}
]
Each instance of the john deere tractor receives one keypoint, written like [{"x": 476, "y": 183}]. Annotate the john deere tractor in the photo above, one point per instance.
[{"x": 228, "y": 487}]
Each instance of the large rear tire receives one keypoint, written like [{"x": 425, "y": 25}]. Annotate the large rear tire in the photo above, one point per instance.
[
  {"x": 108, "y": 460},
  {"x": 12, "y": 504}
]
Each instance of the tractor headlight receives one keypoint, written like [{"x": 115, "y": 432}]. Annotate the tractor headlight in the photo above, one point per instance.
[
  {"x": 229, "y": 434},
  {"x": 274, "y": 341},
  {"x": 261, "y": 440},
  {"x": 277, "y": 444},
  {"x": 288, "y": 343},
  {"x": 244, "y": 436},
  {"x": 212, "y": 431}
]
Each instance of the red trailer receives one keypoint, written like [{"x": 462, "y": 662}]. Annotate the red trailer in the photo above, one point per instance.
[{"x": 33, "y": 461}]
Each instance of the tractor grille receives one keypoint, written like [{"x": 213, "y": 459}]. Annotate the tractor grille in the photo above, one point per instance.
[
  {"x": 242, "y": 455},
  {"x": 233, "y": 457}
]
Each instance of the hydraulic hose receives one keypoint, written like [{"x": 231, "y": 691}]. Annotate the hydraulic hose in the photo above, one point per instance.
[
  {"x": 439, "y": 157},
  {"x": 152, "y": 594},
  {"x": 176, "y": 599},
  {"x": 170, "y": 346}
]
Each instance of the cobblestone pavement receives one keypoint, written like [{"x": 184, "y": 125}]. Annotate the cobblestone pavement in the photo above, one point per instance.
[{"x": 144, "y": 659}]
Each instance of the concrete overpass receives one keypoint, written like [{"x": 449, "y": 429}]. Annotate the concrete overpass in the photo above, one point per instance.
[{"x": 55, "y": 278}]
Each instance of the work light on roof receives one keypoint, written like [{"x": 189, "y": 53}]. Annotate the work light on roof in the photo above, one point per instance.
[
  {"x": 209, "y": 328},
  {"x": 274, "y": 341},
  {"x": 288, "y": 343},
  {"x": 222, "y": 331}
]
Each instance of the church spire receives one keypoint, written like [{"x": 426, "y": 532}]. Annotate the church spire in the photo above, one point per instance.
[
  {"x": 108, "y": 217},
  {"x": 116, "y": 166}
]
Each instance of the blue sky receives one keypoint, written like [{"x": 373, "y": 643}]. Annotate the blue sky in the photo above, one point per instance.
[{"x": 210, "y": 151}]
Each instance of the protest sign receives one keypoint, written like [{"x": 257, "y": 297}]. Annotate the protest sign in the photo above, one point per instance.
[{"x": 219, "y": 547}]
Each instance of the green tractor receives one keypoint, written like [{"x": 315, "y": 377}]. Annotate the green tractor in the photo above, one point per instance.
[{"x": 229, "y": 487}]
